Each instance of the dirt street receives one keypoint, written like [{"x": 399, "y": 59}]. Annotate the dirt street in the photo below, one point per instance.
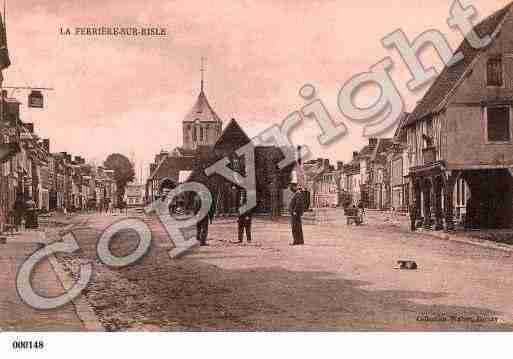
[{"x": 343, "y": 278}]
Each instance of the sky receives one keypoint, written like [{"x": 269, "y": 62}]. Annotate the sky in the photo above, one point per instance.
[{"x": 130, "y": 95}]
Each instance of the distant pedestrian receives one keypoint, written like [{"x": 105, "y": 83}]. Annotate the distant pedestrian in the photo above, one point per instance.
[
  {"x": 296, "y": 209},
  {"x": 413, "y": 216},
  {"x": 11, "y": 221},
  {"x": 361, "y": 207},
  {"x": 212, "y": 210},
  {"x": 244, "y": 222},
  {"x": 202, "y": 224},
  {"x": 19, "y": 212}
]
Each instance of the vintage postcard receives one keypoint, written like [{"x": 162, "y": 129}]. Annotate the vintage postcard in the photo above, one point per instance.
[{"x": 255, "y": 166}]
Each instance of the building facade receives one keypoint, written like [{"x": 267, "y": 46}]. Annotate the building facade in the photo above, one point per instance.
[
  {"x": 134, "y": 195},
  {"x": 323, "y": 183},
  {"x": 462, "y": 130}
]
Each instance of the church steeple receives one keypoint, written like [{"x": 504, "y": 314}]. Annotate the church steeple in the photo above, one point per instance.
[
  {"x": 202, "y": 126},
  {"x": 202, "y": 72}
]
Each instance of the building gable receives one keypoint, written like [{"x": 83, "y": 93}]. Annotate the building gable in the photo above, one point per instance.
[
  {"x": 233, "y": 137},
  {"x": 474, "y": 88},
  {"x": 442, "y": 89}
]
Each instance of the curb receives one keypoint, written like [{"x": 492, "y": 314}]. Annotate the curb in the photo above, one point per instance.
[
  {"x": 83, "y": 309},
  {"x": 465, "y": 240}
]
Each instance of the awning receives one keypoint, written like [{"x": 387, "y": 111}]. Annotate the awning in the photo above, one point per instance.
[{"x": 183, "y": 176}]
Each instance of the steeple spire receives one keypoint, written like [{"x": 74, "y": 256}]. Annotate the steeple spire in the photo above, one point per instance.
[{"x": 202, "y": 72}]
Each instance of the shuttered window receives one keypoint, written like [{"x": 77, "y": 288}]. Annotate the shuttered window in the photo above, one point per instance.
[{"x": 498, "y": 124}]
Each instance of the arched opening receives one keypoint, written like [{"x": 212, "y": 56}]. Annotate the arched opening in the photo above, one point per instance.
[
  {"x": 461, "y": 195},
  {"x": 427, "y": 188}
]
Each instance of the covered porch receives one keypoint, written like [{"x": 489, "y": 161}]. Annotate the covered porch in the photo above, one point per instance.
[{"x": 490, "y": 205}]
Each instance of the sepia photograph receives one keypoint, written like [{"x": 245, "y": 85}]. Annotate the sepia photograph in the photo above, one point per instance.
[{"x": 231, "y": 171}]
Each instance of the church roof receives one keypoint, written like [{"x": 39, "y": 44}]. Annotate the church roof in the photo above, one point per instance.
[
  {"x": 232, "y": 136},
  {"x": 202, "y": 111}
]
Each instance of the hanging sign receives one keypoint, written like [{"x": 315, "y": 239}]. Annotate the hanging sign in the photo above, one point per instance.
[{"x": 35, "y": 99}]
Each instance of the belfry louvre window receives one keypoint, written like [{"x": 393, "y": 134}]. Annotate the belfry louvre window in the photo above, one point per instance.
[
  {"x": 498, "y": 124},
  {"x": 494, "y": 72}
]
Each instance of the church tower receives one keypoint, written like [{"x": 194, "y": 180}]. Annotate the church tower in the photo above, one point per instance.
[{"x": 202, "y": 126}]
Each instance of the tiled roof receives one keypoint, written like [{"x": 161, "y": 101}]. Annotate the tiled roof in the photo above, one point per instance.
[
  {"x": 366, "y": 151},
  {"x": 383, "y": 145},
  {"x": 183, "y": 152},
  {"x": 172, "y": 165},
  {"x": 403, "y": 119},
  {"x": 313, "y": 170},
  {"x": 435, "y": 98}
]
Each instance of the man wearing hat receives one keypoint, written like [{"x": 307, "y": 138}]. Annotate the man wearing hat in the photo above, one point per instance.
[
  {"x": 296, "y": 209},
  {"x": 244, "y": 220},
  {"x": 202, "y": 225}
]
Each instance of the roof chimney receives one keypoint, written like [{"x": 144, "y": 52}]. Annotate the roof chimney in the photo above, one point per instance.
[
  {"x": 340, "y": 165},
  {"x": 373, "y": 141},
  {"x": 355, "y": 154}
]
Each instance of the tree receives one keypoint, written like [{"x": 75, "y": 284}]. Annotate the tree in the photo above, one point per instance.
[{"x": 123, "y": 172}]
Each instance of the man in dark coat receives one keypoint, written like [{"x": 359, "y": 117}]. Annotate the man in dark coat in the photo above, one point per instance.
[
  {"x": 212, "y": 210},
  {"x": 361, "y": 207},
  {"x": 202, "y": 225},
  {"x": 413, "y": 216},
  {"x": 244, "y": 222},
  {"x": 296, "y": 209},
  {"x": 19, "y": 211}
]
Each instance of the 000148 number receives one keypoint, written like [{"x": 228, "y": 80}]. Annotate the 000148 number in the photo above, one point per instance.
[{"x": 27, "y": 345}]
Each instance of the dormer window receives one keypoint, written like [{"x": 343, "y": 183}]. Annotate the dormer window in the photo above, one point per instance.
[{"x": 494, "y": 72}]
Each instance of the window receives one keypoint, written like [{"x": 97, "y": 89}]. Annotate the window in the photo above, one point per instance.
[
  {"x": 494, "y": 72},
  {"x": 429, "y": 128},
  {"x": 498, "y": 127}
]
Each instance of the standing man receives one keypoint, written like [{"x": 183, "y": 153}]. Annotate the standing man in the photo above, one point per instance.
[
  {"x": 361, "y": 207},
  {"x": 413, "y": 216},
  {"x": 296, "y": 209},
  {"x": 212, "y": 210},
  {"x": 202, "y": 225},
  {"x": 244, "y": 221},
  {"x": 19, "y": 211}
]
